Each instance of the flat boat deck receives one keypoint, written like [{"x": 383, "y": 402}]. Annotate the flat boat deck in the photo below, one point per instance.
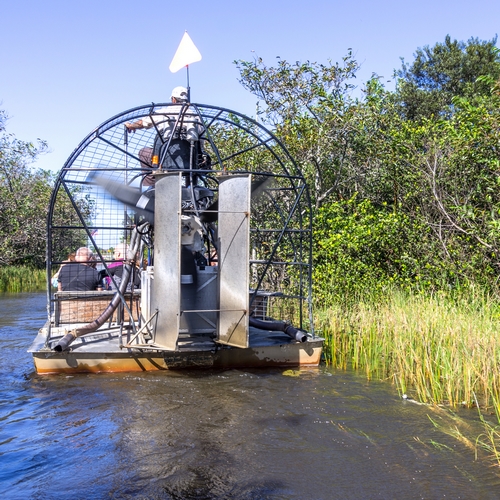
[{"x": 106, "y": 351}]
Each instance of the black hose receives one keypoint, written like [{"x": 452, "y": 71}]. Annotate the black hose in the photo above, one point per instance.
[{"x": 278, "y": 326}]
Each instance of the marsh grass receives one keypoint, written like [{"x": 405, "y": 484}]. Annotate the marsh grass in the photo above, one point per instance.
[
  {"x": 21, "y": 279},
  {"x": 441, "y": 349}
]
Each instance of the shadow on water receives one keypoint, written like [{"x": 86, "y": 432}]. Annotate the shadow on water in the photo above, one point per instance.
[{"x": 239, "y": 434}]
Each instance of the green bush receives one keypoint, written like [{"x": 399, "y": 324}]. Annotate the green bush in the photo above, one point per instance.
[{"x": 362, "y": 250}]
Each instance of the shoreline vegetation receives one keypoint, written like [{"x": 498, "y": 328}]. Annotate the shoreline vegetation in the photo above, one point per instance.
[
  {"x": 440, "y": 350},
  {"x": 15, "y": 279}
]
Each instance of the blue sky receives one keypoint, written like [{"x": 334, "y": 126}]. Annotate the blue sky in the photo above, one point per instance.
[{"x": 68, "y": 66}]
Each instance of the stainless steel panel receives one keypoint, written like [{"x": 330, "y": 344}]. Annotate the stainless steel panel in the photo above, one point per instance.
[
  {"x": 166, "y": 297},
  {"x": 234, "y": 235},
  {"x": 204, "y": 304}
]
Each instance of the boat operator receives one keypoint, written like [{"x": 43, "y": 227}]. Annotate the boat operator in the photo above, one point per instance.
[{"x": 176, "y": 124}]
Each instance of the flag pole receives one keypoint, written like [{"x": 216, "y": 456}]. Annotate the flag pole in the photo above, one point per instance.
[{"x": 186, "y": 54}]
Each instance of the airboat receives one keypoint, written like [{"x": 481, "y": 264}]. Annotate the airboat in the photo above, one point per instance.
[{"x": 217, "y": 228}]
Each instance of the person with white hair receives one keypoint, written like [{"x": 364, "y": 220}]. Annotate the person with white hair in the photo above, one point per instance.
[
  {"x": 165, "y": 118},
  {"x": 80, "y": 275}
]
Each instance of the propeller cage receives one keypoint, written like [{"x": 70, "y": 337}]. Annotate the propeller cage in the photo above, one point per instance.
[{"x": 229, "y": 233}]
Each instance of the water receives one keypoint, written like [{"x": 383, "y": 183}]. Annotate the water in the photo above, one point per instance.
[{"x": 269, "y": 434}]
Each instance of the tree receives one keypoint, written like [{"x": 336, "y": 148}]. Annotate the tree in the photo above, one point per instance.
[
  {"x": 438, "y": 174},
  {"x": 454, "y": 166},
  {"x": 25, "y": 194},
  {"x": 311, "y": 108},
  {"x": 290, "y": 91},
  {"x": 427, "y": 86}
]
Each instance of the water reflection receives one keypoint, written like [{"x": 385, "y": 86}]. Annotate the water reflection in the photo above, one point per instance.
[{"x": 270, "y": 434}]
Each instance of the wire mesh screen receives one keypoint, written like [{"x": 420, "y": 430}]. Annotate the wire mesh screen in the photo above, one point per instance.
[{"x": 104, "y": 190}]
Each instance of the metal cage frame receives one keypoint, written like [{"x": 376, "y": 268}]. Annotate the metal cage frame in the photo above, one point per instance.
[{"x": 281, "y": 232}]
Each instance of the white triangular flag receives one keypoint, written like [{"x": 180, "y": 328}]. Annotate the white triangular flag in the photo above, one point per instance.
[{"x": 186, "y": 54}]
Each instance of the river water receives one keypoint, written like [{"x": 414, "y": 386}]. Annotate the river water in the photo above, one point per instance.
[{"x": 239, "y": 434}]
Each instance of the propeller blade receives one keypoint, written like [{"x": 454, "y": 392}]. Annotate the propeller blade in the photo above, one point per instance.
[
  {"x": 260, "y": 185},
  {"x": 141, "y": 202}
]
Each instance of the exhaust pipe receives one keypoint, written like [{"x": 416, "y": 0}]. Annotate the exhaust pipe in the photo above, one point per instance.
[{"x": 63, "y": 344}]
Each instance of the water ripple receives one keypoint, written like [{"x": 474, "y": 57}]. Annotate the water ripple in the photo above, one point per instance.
[{"x": 268, "y": 434}]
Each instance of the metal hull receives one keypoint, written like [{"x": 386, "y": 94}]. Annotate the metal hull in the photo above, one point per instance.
[{"x": 100, "y": 353}]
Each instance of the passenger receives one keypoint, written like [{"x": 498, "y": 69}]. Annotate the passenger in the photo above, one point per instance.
[
  {"x": 79, "y": 276},
  {"x": 71, "y": 258},
  {"x": 189, "y": 128},
  {"x": 116, "y": 270}
]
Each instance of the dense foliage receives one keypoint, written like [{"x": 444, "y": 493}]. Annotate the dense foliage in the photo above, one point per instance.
[
  {"x": 360, "y": 248},
  {"x": 447, "y": 70},
  {"x": 24, "y": 195},
  {"x": 405, "y": 182},
  {"x": 24, "y": 200}
]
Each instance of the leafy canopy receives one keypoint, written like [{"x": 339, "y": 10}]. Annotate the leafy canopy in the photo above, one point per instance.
[{"x": 427, "y": 86}]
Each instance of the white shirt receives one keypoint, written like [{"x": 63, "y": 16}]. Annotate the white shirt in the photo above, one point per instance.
[{"x": 178, "y": 117}]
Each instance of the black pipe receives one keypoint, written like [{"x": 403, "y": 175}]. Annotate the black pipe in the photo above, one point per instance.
[
  {"x": 64, "y": 342},
  {"x": 279, "y": 326}
]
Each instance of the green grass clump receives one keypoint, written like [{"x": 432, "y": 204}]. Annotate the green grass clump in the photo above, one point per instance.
[
  {"x": 438, "y": 349},
  {"x": 442, "y": 348},
  {"x": 21, "y": 279}
]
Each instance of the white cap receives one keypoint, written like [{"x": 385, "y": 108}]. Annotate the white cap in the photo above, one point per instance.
[{"x": 180, "y": 93}]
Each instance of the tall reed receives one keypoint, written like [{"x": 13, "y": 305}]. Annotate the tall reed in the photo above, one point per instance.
[
  {"x": 441, "y": 348},
  {"x": 21, "y": 279}
]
